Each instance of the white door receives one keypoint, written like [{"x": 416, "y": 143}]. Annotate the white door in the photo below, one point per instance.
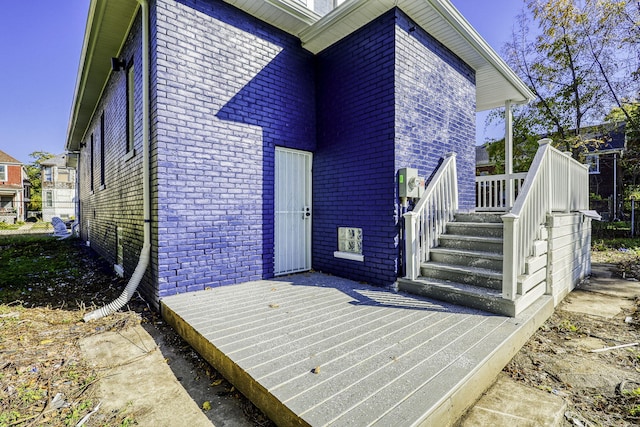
[{"x": 292, "y": 211}]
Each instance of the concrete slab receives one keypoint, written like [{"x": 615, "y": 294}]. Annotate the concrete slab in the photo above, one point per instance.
[
  {"x": 128, "y": 361},
  {"x": 595, "y": 304},
  {"x": 603, "y": 281},
  {"x": 511, "y": 404}
]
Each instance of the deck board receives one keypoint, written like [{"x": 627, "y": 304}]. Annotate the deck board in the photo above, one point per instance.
[{"x": 384, "y": 358}]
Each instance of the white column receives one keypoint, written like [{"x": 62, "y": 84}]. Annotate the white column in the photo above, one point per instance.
[{"x": 508, "y": 153}]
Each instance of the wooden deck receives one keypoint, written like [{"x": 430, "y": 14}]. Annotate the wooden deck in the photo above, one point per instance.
[{"x": 312, "y": 349}]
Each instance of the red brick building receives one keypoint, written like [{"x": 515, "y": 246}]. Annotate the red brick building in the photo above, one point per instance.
[{"x": 12, "y": 194}]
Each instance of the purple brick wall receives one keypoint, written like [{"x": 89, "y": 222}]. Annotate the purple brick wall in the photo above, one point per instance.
[
  {"x": 229, "y": 89},
  {"x": 389, "y": 96},
  {"x": 226, "y": 89},
  {"x": 435, "y": 107},
  {"x": 353, "y": 173}
]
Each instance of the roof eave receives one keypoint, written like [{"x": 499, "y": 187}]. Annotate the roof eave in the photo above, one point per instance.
[
  {"x": 346, "y": 18},
  {"x": 102, "y": 40}
]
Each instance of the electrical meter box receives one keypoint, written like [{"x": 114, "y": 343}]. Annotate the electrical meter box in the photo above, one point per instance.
[{"x": 410, "y": 185}]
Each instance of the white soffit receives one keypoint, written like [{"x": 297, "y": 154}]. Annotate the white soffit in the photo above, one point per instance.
[
  {"x": 288, "y": 15},
  {"x": 107, "y": 26},
  {"x": 495, "y": 81}
]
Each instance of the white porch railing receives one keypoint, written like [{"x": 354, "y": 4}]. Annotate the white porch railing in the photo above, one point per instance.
[
  {"x": 555, "y": 182},
  {"x": 428, "y": 220},
  {"x": 491, "y": 191}
]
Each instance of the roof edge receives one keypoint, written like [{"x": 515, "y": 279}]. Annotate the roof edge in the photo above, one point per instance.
[{"x": 448, "y": 11}]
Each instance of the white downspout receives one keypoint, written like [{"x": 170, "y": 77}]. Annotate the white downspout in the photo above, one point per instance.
[{"x": 145, "y": 253}]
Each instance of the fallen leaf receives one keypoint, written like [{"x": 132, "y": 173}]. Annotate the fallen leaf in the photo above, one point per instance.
[
  {"x": 216, "y": 382},
  {"x": 45, "y": 342},
  {"x": 206, "y": 405},
  {"x": 274, "y": 306},
  {"x": 316, "y": 370}
]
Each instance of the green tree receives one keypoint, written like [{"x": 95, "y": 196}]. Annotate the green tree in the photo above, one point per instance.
[
  {"x": 524, "y": 148},
  {"x": 578, "y": 65},
  {"x": 35, "y": 177}
]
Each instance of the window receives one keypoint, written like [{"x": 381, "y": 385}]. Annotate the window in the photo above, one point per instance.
[
  {"x": 48, "y": 199},
  {"x": 349, "y": 244},
  {"x": 130, "y": 106},
  {"x": 593, "y": 161},
  {"x": 3, "y": 172},
  {"x": 6, "y": 202},
  {"x": 48, "y": 173},
  {"x": 91, "y": 157},
  {"x": 63, "y": 175},
  {"x": 102, "y": 172}
]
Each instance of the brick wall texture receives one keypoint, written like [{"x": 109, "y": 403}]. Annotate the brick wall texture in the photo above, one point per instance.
[{"x": 226, "y": 89}]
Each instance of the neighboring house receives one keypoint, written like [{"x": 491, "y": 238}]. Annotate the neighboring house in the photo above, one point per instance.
[
  {"x": 276, "y": 131},
  {"x": 484, "y": 164},
  {"x": 12, "y": 189},
  {"x": 605, "y": 172},
  {"x": 58, "y": 188}
]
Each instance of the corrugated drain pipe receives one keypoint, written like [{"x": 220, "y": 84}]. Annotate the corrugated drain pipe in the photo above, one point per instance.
[{"x": 145, "y": 253}]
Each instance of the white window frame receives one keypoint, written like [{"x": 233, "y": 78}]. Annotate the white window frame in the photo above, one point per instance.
[
  {"x": 594, "y": 167},
  {"x": 3, "y": 173},
  {"x": 349, "y": 244},
  {"x": 48, "y": 199}
]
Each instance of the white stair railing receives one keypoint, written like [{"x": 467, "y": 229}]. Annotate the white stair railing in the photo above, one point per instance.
[
  {"x": 428, "y": 220},
  {"x": 491, "y": 191},
  {"x": 555, "y": 182}
]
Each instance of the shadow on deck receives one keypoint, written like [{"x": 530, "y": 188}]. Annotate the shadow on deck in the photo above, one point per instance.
[{"x": 311, "y": 349}]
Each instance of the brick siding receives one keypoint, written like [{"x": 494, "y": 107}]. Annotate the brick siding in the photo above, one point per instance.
[
  {"x": 119, "y": 202},
  {"x": 381, "y": 93},
  {"x": 229, "y": 89},
  {"x": 353, "y": 172},
  {"x": 226, "y": 89},
  {"x": 435, "y": 107}
]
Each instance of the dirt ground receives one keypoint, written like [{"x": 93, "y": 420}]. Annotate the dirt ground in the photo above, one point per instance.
[
  {"x": 47, "y": 285},
  {"x": 600, "y": 388}
]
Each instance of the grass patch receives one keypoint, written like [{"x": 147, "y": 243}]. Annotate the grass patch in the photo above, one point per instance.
[
  {"x": 45, "y": 285},
  {"x": 7, "y": 226}
]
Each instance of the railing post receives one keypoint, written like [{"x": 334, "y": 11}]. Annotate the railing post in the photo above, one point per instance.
[
  {"x": 411, "y": 246},
  {"x": 508, "y": 154},
  {"x": 510, "y": 258},
  {"x": 542, "y": 142},
  {"x": 569, "y": 173}
]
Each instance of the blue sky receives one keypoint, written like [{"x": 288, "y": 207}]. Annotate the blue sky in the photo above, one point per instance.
[{"x": 41, "y": 43}]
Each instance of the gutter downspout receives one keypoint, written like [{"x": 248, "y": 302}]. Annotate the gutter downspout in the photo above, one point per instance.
[{"x": 145, "y": 253}]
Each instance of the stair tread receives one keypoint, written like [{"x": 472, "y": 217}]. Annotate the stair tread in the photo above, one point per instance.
[
  {"x": 471, "y": 238},
  {"x": 463, "y": 268},
  {"x": 460, "y": 287},
  {"x": 477, "y": 224},
  {"x": 479, "y": 254}
]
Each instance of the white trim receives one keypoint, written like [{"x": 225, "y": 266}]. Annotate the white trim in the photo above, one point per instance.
[{"x": 349, "y": 256}]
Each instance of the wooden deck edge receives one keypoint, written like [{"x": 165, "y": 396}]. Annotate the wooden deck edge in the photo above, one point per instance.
[
  {"x": 241, "y": 380},
  {"x": 460, "y": 399}
]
